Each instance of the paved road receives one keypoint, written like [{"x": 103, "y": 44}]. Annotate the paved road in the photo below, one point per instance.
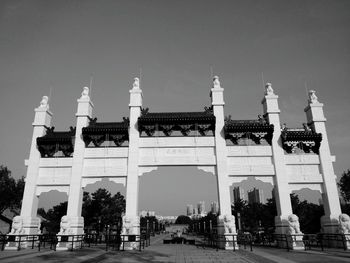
[{"x": 158, "y": 252}]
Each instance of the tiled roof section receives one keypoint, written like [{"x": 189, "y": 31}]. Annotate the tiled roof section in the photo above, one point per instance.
[
  {"x": 106, "y": 127},
  {"x": 300, "y": 135},
  {"x": 52, "y": 136},
  {"x": 177, "y": 117},
  {"x": 53, "y": 142},
  {"x": 247, "y": 125}
]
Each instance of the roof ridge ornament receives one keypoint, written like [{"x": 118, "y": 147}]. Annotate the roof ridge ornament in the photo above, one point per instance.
[
  {"x": 44, "y": 103},
  {"x": 312, "y": 96},
  {"x": 85, "y": 93},
  {"x": 269, "y": 89},
  {"x": 136, "y": 84},
  {"x": 216, "y": 83}
]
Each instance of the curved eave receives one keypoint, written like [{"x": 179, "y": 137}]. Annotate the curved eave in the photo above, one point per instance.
[
  {"x": 244, "y": 127},
  {"x": 301, "y": 136},
  {"x": 193, "y": 120},
  {"x": 116, "y": 130}
]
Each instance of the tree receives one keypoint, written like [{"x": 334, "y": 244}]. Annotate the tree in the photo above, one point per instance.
[
  {"x": 101, "y": 208},
  {"x": 11, "y": 190},
  {"x": 183, "y": 220},
  {"x": 344, "y": 185}
]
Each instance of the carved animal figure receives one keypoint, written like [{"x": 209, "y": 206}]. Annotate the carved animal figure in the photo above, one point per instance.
[
  {"x": 85, "y": 92},
  {"x": 64, "y": 225},
  {"x": 17, "y": 226},
  {"x": 229, "y": 224},
  {"x": 44, "y": 102},
  {"x": 344, "y": 224},
  {"x": 312, "y": 96},
  {"x": 294, "y": 226}
]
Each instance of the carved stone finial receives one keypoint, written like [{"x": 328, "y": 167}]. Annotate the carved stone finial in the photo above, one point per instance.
[
  {"x": 85, "y": 93},
  {"x": 44, "y": 102},
  {"x": 216, "y": 82},
  {"x": 269, "y": 89},
  {"x": 136, "y": 84},
  {"x": 312, "y": 96}
]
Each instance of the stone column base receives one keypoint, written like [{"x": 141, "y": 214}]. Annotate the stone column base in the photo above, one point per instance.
[
  {"x": 296, "y": 242},
  {"x": 71, "y": 230},
  {"x": 227, "y": 233},
  {"x": 21, "y": 228},
  {"x": 131, "y": 228}
]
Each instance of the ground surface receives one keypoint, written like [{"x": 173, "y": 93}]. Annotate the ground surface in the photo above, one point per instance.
[{"x": 158, "y": 252}]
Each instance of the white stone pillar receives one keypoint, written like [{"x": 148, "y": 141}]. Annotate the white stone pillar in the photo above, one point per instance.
[
  {"x": 316, "y": 119},
  {"x": 282, "y": 191},
  {"x": 29, "y": 220},
  {"x": 74, "y": 222},
  {"x": 131, "y": 221},
  {"x": 225, "y": 218}
]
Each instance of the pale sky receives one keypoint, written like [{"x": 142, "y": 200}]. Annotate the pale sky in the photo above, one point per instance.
[{"x": 59, "y": 44}]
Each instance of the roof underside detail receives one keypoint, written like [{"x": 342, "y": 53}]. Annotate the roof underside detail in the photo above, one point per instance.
[
  {"x": 303, "y": 139},
  {"x": 54, "y": 142},
  {"x": 99, "y": 132},
  {"x": 256, "y": 130},
  {"x": 185, "y": 123}
]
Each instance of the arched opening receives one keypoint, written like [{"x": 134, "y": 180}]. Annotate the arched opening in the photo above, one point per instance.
[
  {"x": 253, "y": 205},
  {"x": 51, "y": 207},
  {"x": 169, "y": 190},
  {"x": 174, "y": 192},
  {"x": 307, "y": 204},
  {"x": 103, "y": 206}
]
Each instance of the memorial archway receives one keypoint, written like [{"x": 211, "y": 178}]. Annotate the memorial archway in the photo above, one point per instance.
[{"x": 230, "y": 149}]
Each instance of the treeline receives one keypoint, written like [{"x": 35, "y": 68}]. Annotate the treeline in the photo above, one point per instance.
[{"x": 100, "y": 210}]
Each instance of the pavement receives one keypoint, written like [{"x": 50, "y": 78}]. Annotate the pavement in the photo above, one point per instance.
[{"x": 158, "y": 252}]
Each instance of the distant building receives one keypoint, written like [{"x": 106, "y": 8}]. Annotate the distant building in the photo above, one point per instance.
[
  {"x": 189, "y": 210},
  {"x": 145, "y": 213},
  {"x": 255, "y": 196},
  {"x": 201, "y": 208},
  {"x": 238, "y": 193},
  {"x": 214, "y": 207}
]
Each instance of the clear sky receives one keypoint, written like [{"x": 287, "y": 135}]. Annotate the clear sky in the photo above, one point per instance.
[{"x": 59, "y": 44}]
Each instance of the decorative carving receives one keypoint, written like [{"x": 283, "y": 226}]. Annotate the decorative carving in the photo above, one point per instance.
[
  {"x": 118, "y": 139},
  {"x": 302, "y": 140},
  {"x": 269, "y": 89},
  {"x": 144, "y": 111},
  {"x": 293, "y": 225},
  {"x": 208, "y": 109},
  {"x": 229, "y": 224},
  {"x": 44, "y": 102},
  {"x": 136, "y": 84},
  {"x": 97, "y": 140},
  {"x": 17, "y": 226},
  {"x": 312, "y": 96},
  {"x": 306, "y": 127},
  {"x": 216, "y": 83},
  {"x": 85, "y": 93},
  {"x": 167, "y": 129},
  {"x": 65, "y": 226},
  {"x": 185, "y": 129},
  {"x": 344, "y": 225},
  {"x": 203, "y": 129},
  {"x": 130, "y": 225}
]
